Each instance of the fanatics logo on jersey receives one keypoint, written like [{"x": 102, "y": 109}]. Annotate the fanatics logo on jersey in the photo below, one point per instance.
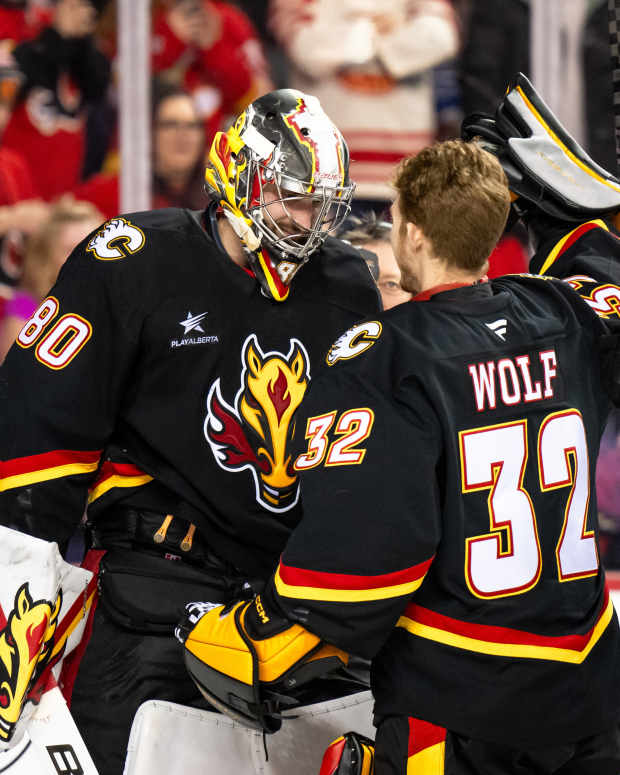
[
  {"x": 193, "y": 323},
  {"x": 499, "y": 328}
]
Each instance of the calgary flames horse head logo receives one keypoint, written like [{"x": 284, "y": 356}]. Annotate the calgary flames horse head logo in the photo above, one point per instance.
[
  {"x": 256, "y": 433},
  {"x": 25, "y": 650}
]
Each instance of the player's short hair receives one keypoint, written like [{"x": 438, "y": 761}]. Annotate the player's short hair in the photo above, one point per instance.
[{"x": 457, "y": 194}]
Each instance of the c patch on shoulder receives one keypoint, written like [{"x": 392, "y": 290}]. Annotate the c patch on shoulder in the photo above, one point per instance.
[
  {"x": 354, "y": 342},
  {"x": 116, "y": 239}
]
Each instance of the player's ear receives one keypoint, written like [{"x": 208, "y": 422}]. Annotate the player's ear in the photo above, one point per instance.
[{"x": 415, "y": 237}]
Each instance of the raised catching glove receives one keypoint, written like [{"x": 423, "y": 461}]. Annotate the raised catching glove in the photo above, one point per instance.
[
  {"x": 546, "y": 169},
  {"x": 244, "y": 659}
]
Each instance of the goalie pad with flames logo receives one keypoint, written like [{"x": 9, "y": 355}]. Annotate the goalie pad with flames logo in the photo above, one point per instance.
[
  {"x": 44, "y": 603},
  {"x": 25, "y": 650}
]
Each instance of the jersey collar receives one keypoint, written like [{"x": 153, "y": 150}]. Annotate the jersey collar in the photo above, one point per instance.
[{"x": 430, "y": 292}]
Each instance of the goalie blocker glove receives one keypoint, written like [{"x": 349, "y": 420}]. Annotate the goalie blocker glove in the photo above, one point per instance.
[
  {"x": 245, "y": 658},
  {"x": 546, "y": 169}
]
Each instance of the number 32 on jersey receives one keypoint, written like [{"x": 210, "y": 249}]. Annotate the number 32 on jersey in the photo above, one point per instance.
[
  {"x": 352, "y": 427},
  {"x": 508, "y": 560}
]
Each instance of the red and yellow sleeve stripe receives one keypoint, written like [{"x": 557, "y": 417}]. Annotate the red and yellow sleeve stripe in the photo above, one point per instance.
[
  {"x": 568, "y": 240},
  {"x": 346, "y": 588},
  {"x": 504, "y": 641},
  {"x": 114, "y": 475},
  {"x": 23, "y": 471}
]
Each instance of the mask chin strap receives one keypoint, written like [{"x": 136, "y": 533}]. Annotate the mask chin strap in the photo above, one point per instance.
[
  {"x": 274, "y": 276},
  {"x": 243, "y": 230}
]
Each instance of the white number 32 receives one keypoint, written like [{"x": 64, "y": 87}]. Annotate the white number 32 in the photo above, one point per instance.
[{"x": 507, "y": 560}]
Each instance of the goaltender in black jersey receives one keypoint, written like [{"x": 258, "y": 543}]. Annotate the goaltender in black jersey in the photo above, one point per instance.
[
  {"x": 447, "y": 455},
  {"x": 184, "y": 380},
  {"x": 158, "y": 385}
]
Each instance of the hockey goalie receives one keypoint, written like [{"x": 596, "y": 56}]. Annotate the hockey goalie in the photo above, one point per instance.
[{"x": 156, "y": 386}]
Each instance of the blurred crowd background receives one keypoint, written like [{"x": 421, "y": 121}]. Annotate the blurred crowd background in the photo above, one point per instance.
[{"x": 394, "y": 75}]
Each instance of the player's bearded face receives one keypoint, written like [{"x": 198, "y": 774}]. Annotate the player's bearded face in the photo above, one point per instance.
[
  {"x": 405, "y": 257},
  {"x": 293, "y": 214}
]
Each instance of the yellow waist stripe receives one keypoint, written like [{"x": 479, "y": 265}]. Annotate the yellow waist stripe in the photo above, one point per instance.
[
  {"x": 117, "y": 481},
  {"x": 509, "y": 649},
  {"x": 32, "y": 477}
]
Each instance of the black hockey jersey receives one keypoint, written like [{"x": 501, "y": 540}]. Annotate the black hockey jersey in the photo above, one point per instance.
[
  {"x": 450, "y": 524},
  {"x": 156, "y": 374}
]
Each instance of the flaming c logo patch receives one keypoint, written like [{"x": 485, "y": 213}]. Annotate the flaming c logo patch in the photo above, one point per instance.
[
  {"x": 116, "y": 239},
  {"x": 255, "y": 433},
  {"x": 25, "y": 650},
  {"x": 354, "y": 342}
]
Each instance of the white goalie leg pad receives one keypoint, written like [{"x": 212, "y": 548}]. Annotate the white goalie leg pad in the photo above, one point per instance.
[
  {"x": 50, "y": 743},
  {"x": 171, "y": 739},
  {"x": 44, "y": 603}
]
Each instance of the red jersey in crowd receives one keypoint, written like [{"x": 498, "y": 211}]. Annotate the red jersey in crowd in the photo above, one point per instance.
[
  {"x": 61, "y": 76},
  {"x": 17, "y": 24},
  {"x": 52, "y": 139},
  {"x": 16, "y": 181},
  {"x": 222, "y": 78}
]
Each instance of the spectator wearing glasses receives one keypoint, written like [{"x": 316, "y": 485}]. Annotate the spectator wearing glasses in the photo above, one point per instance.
[
  {"x": 178, "y": 157},
  {"x": 373, "y": 235}
]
